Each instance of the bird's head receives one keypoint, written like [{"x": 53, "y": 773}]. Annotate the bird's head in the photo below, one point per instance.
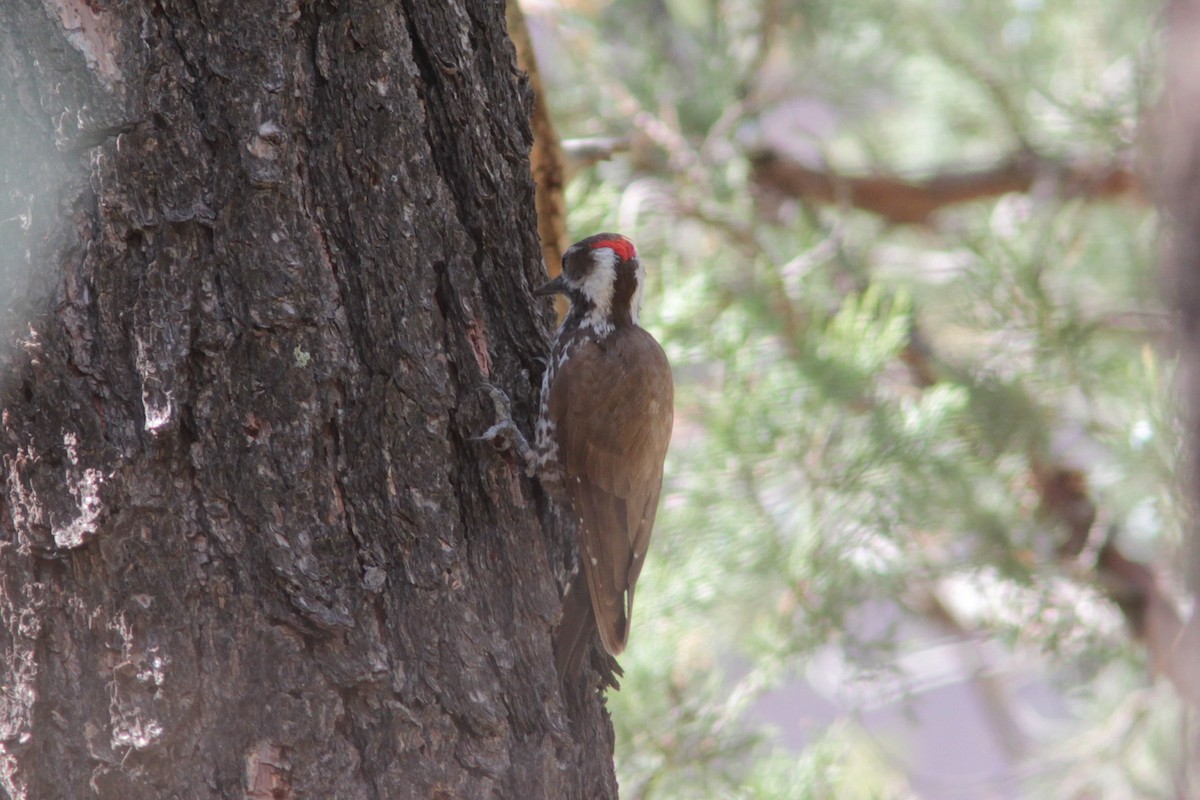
[{"x": 603, "y": 279}]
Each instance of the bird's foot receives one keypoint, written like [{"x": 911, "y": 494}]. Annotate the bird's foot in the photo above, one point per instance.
[{"x": 504, "y": 434}]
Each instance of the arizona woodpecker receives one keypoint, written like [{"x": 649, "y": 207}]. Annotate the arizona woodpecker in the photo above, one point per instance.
[{"x": 604, "y": 422}]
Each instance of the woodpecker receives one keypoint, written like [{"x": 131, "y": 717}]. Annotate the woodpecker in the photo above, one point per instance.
[{"x": 604, "y": 423}]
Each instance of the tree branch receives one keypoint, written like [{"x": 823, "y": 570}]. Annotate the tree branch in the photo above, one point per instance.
[
  {"x": 546, "y": 158},
  {"x": 908, "y": 201},
  {"x": 1150, "y": 611}
]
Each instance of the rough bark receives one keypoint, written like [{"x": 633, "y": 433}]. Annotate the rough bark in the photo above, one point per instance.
[{"x": 257, "y": 257}]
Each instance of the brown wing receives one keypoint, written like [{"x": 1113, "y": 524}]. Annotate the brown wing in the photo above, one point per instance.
[{"x": 613, "y": 406}]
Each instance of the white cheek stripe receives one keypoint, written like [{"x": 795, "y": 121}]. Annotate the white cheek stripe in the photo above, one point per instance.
[{"x": 599, "y": 287}]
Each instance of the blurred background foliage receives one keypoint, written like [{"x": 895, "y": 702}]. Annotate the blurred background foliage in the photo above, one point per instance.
[{"x": 915, "y": 453}]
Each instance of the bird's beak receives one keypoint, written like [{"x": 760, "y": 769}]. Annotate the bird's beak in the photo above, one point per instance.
[{"x": 556, "y": 286}]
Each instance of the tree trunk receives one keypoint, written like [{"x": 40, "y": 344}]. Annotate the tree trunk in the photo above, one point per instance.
[
  {"x": 256, "y": 259},
  {"x": 1177, "y": 159}
]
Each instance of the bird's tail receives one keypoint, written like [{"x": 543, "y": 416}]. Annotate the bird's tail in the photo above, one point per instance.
[
  {"x": 576, "y": 632},
  {"x": 575, "y": 629}
]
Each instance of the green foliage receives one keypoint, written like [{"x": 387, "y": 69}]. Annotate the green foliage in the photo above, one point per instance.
[{"x": 862, "y": 409}]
